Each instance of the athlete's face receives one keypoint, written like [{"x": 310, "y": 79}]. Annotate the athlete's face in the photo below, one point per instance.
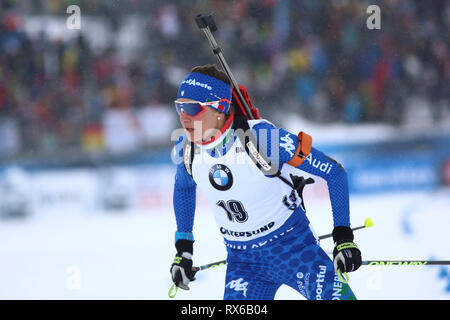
[{"x": 203, "y": 126}]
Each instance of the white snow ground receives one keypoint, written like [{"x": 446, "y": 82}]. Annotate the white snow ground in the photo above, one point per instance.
[{"x": 98, "y": 255}]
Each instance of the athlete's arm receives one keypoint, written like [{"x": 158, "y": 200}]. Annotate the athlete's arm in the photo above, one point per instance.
[
  {"x": 184, "y": 201},
  {"x": 184, "y": 195},
  {"x": 282, "y": 146},
  {"x": 319, "y": 164}
]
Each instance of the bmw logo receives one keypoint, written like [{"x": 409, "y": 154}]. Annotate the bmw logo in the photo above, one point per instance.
[{"x": 220, "y": 177}]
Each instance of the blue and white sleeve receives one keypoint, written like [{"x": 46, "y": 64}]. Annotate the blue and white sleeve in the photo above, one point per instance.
[
  {"x": 319, "y": 164},
  {"x": 184, "y": 201},
  {"x": 316, "y": 163}
]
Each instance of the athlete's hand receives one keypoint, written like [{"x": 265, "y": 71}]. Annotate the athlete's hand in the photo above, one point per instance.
[
  {"x": 181, "y": 269},
  {"x": 346, "y": 255}
]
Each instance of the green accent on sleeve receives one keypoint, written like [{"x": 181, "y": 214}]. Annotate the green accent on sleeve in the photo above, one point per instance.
[
  {"x": 177, "y": 260},
  {"x": 346, "y": 245}
]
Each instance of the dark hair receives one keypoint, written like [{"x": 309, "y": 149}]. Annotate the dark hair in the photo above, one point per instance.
[{"x": 212, "y": 71}]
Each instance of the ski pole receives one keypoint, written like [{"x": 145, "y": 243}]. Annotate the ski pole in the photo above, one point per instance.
[
  {"x": 208, "y": 25},
  {"x": 174, "y": 289},
  {"x": 345, "y": 278},
  {"x": 406, "y": 262},
  {"x": 367, "y": 224}
]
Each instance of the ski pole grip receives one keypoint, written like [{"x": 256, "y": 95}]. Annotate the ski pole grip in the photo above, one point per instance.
[{"x": 205, "y": 20}]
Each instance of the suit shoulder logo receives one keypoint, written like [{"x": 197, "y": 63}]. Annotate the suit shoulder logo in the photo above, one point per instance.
[{"x": 288, "y": 144}]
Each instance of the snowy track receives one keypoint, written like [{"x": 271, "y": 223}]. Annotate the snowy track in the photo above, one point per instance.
[{"x": 127, "y": 255}]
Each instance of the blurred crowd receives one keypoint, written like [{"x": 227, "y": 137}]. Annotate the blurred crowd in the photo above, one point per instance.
[{"x": 315, "y": 58}]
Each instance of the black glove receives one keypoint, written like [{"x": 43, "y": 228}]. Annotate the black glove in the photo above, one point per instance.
[
  {"x": 346, "y": 255},
  {"x": 299, "y": 185},
  {"x": 181, "y": 269}
]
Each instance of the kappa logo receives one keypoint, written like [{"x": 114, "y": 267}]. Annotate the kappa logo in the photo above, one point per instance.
[
  {"x": 288, "y": 144},
  {"x": 238, "y": 285}
]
